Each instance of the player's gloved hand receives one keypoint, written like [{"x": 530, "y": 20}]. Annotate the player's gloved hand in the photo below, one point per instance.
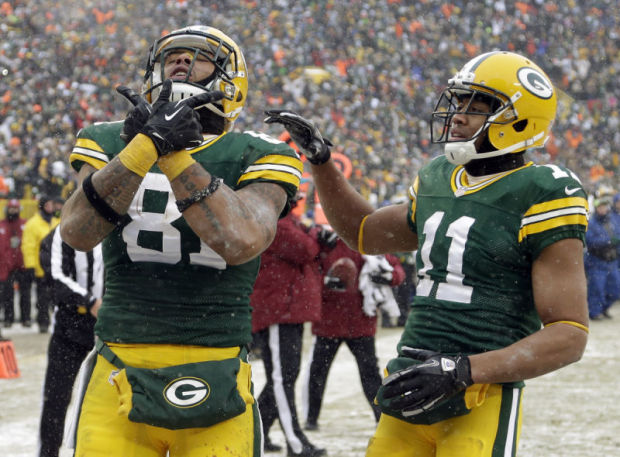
[
  {"x": 421, "y": 386},
  {"x": 334, "y": 283},
  {"x": 327, "y": 238},
  {"x": 137, "y": 117},
  {"x": 175, "y": 125},
  {"x": 383, "y": 277},
  {"x": 304, "y": 133}
]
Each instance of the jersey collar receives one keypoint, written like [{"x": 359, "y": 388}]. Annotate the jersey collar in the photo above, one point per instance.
[
  {"x": 460, "y": 185},
  {"x": 207, "y": 141}
]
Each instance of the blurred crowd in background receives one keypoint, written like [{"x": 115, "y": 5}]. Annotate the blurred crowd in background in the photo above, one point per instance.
[{"x": 368, "y": 72}]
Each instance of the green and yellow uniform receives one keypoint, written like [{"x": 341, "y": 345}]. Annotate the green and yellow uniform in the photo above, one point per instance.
[
  {"x": 158, "y": 272},
  {"x": 169, "y": 298},
  {"x": 476, "y": 245}
]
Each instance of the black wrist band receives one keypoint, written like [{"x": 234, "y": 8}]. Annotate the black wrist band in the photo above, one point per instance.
[
  {"x": 198, "y": 195},
  {"x": 98, "y": 203}
]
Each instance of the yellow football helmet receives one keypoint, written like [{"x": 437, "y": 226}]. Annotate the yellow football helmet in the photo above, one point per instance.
[
  {"x": 230, "y": 75},
  {"x": 522, "y": 103}
]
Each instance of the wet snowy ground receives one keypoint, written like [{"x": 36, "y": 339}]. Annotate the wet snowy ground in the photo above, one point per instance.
[{"x": 573, "y": 412}]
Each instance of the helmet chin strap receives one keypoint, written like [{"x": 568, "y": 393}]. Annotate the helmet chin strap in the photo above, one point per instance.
[{"x": 460, "y": 153}]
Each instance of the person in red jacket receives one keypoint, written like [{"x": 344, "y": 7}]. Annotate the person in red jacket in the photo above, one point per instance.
[
  {"x": 12, "y": 266},
  {"x": 287, "y": 293},
  {"x": 346, "y": 318}
]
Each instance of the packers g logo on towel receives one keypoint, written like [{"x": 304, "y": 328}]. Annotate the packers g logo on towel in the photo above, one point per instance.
[{"x": 187, "y": 392}]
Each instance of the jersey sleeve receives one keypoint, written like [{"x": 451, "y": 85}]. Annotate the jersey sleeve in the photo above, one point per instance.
[
  {"x": 558, "y": 211},
  {"x": 95, "y": 145},
  {"x": 271, "y": 160}
]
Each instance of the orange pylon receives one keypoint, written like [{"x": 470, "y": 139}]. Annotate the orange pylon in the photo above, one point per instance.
[{"x": 8, "y": 361}]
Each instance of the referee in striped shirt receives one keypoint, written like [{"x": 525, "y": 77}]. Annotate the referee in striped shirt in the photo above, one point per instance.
[{"x": 77, "y": 279}]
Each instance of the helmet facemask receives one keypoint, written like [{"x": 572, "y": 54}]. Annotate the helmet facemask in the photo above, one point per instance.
[{"x": 458, "y": 98}]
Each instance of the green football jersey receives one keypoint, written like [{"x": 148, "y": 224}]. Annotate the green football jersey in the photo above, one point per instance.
[
  {"x": 476, "y": 248},
  {"x": 162, "y": 283}
]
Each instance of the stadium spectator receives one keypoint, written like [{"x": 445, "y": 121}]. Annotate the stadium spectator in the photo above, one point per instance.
[
  {"x": 601, "y": 259},
  {"x": 615, "y": 214},
  {"x": 4, "y": 187},
  {"x": 76, "y": 280},
  {"x": 12, "y": 269},
  {"x": 287, "y": 293},
  {"x": 345, "y": 319},
  {"x": 178, "y": 275},
  {"x": 381, "y": 62},
  {"x": 35, "y": 229},
  {"x": 502, "y": 292}
]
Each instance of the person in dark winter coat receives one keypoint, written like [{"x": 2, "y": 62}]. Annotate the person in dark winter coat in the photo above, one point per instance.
[
  {"x": 601, "y": 260},
  {"x": 287, "y": 293},
  {"x": 344, "y": 319},
  {"x": 615, "y": 218},
  {"x": 12, "y": 266}
]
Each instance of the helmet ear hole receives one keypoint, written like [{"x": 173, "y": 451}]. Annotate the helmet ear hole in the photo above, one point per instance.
[
  {"x": 239, "y": 97},
  {"x": 520, "y": 125}
]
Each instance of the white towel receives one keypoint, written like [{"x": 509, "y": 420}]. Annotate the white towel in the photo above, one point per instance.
[{"x": 376, "y": 295}]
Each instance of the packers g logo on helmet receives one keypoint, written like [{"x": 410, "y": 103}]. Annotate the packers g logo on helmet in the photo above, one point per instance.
[
  {"x": 187, "y": 392},
  {"x": 522, "y": 104},
  {"x": 535, "y": 82}
]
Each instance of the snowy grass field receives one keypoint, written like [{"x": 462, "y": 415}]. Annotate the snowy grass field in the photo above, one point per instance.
[{"x": 573, "y": 412}]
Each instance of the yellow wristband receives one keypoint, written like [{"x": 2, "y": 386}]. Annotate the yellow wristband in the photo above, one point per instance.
[
  {"x": 360, "y": 236},
  {"x": 174, "y": 163},
  {"x": 139, "y": 155},
  {"x": 573, "y": 323}
]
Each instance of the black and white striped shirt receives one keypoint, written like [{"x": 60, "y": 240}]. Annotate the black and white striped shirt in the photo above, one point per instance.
[{"x": 78, "y": 276}]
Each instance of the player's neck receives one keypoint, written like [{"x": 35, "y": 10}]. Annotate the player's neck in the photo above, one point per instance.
[{"x": 493, "y": 165}]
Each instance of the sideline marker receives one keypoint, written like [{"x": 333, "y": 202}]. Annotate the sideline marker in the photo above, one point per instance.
[{"x": 8, "y": 361}]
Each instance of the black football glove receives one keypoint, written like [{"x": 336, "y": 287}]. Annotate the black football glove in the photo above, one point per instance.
[
  {"x": 175, "y": 125},
  {"x": 327, "y": 238},
  {"x": 334, "y": 283},
  {"x": 420, "y": 387},
  {"x": 137, "y": 117},
  {"x": 383, "y": 277},
  {"x": 304, "y": 133}
]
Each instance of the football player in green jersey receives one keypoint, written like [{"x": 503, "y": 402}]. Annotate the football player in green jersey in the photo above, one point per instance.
[
  {"x": 502, "y": 291},
  {"x": 184, "y": 206}
]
